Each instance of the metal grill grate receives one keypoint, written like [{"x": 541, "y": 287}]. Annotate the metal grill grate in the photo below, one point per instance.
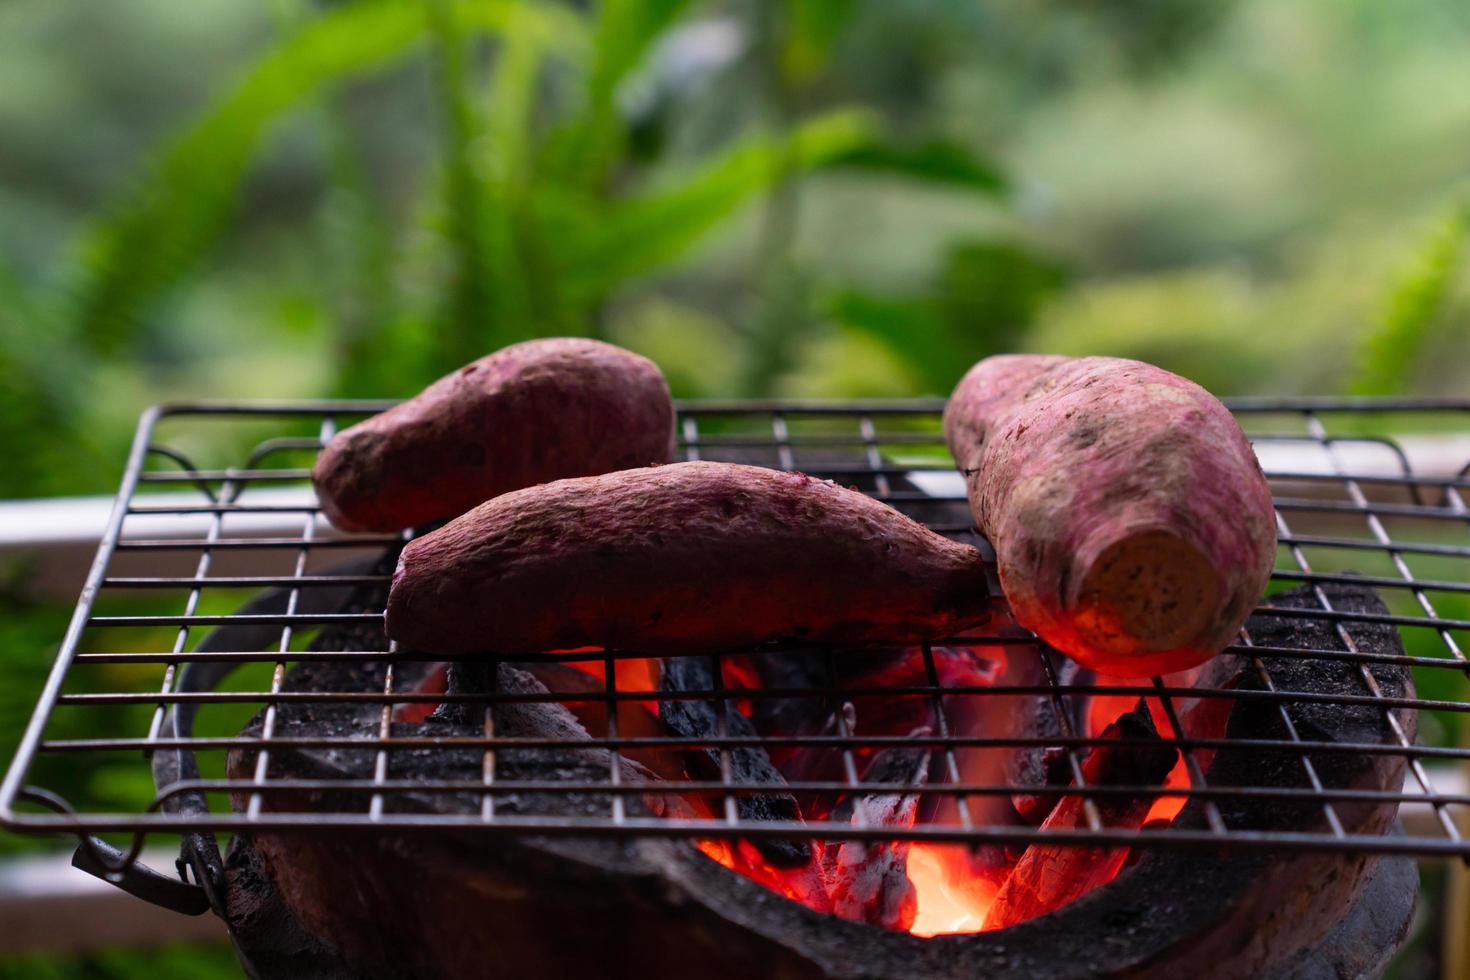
[{"x": 215, "y": 508}]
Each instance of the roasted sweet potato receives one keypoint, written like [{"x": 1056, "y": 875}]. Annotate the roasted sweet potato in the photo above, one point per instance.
[
  {"x": 531, "y": 413},
  {"x": 1132, "y": 524},
  {"x": 686, "y": 558}
]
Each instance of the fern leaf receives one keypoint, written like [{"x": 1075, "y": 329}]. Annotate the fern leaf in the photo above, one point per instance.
[
  {"x": 640, "y": 233},
  {"x": 583, "y": 150},
  {"x": 177, "y": 210}
]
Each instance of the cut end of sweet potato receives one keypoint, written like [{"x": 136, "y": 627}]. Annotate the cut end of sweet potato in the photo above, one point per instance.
[{"x": 1145, "y": 593}]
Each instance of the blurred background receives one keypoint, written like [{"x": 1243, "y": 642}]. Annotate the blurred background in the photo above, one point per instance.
[{"x": 815, "y": 198}]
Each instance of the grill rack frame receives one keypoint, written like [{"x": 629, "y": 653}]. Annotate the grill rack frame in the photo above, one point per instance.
[{"x": 1451, "y": 810}]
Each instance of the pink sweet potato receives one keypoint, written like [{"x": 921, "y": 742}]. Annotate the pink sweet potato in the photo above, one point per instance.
[
  {"x": 1132, "y": 525},
  {"x": 533, "y": 412},
  {"x": 690, "y": 557}
]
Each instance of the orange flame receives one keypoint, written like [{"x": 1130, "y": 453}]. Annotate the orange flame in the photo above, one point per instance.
[
  {"x": 953, "y": 893},
  {"x": 951, "y": 898},
  {"x": 1104, "y": 709}
]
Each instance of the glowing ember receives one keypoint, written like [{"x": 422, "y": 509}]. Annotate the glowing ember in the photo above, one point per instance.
[
  {"x": 947, "y": 905},
  {"x": 1104, "y": 709},
  {"x": 932, "y": 889},
  {"x": 928, "y": 889}
]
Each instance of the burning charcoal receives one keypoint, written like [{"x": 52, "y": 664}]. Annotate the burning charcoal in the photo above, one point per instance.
[
  {"x": 869, "y": 881},
  {"x": 463, "y": 677},
  {"x": 994, "y": 717},
  {"x": 1048, "y": 875},
  {"x": 954, "y": 666},
  {"x": 998, "y": 717},
  {"x": 907, "y": 667},
  {"x": 552, "y": 720},
  {"x": 804, "y": 883},
  {"x": 804, "y": 670},
  {"x": 590, "y": 706},
  {"x": 820, "y": 762},
  {"x": 694, "y": 719},
  {"x": 1044, "y": 765}
]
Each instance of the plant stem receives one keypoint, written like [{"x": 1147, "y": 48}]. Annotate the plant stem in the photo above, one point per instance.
[
  {"x": 468, "y": 331},
  {"x": 781, "y": 307}
]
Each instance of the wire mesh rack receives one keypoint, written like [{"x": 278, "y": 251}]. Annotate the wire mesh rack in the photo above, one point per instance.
[{"x": 224, "y": 622}]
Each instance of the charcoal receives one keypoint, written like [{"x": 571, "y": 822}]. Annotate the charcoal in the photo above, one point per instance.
[
  {"x": 1041, "y": 766},
  {"x": 694, "y": 719},
  {"x": 908, "y": 667},
  {"x": 362, "y": 720},
  {"x": 635, "y": 720},
  {"x": 792, "y": 670},
  {"x": 955, "y": 666},
  {"x": 1050, "y": 875},
  {"x": 820, "y": 762},
  {"x": 1321, "y": 721},
  {"x": 869, "y": 880}
]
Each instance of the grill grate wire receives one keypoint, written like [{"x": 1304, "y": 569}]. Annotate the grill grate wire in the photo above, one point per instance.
[{"x": 1346, "y": 478}]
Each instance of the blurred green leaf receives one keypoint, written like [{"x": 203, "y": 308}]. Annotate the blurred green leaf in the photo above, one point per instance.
[
  {"x": 990, "y": 292},
  {"x": 203, "y": 962},
  {"x": 583, "y": 151},
  {"x": 639, "y": 233},
  {"x": 985, "y": 299},
  {"x": 813, "y": 26},
  {"x": 909, "y": 326},
  {"x": 1389, "y": 352},
  {"x": 42, "y": 385},
  {"x": 161, "y": 229},
  {"x": 480, "y": 312},
  {"x": 625, "y": 29},
  {"x": 938, "y": 161}
]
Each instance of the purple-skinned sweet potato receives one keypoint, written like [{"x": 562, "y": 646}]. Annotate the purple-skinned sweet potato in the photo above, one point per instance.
[
  {"x": 1131, "y": 521},
  {"x": 531, "y": 413},
  {"x": 685, "y": 558}
]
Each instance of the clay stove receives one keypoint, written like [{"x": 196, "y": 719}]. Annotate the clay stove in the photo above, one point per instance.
[{"x": 454, "y": 905}]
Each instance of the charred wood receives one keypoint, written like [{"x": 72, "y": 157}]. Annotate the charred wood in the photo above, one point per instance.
[
  {"x": 696, "y": 718},
  {"x": 1049, "y": 875}
]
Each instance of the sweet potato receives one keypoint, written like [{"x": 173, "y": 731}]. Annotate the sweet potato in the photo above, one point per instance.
[
  {"x": 1131, "y": 522},
  {"x": 533, "y": 412},
  {"x": 685, "y": 558}
]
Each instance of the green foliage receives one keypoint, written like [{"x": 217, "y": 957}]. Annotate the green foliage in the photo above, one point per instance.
[
  {"x": 29, "y": 633},
  {"x": 479, "y": 305},
  {"x": 585, "y": 152},
  {"x": 1190, "y": 321},
  {"x": 1389, "y": 353},
  {"x": 625, "y": 29},
  {"x": 935, "y": 161},
  {"x": 167, "y": 224},
  {"x": 984, "y": 302},
  {"x": 540, "y": 210},
  {"x": 813, "y": 27},
  {"x": 195, "y": 962},
  {"x": 1155, "y": 34},
  {"x": 38, "y": 379},
  {"x": 173, "y": 217},
  {"x": 640, "y": 232}
]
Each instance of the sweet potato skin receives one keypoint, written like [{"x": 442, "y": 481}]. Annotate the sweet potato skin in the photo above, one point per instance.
[
  {"x": 686, "y": 558},
  {"x": 530, "y": 413},
  {"x": 1068, "y": 458}
]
